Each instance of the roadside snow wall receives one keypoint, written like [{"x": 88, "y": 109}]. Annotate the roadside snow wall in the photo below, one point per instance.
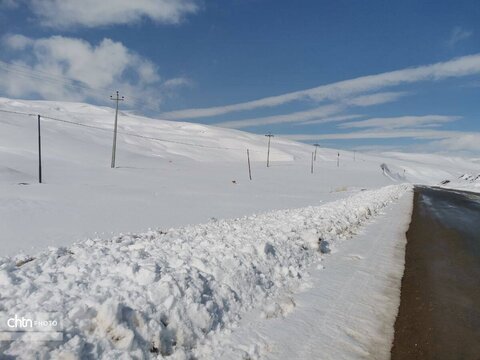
[{"x": 162, "y": 293}]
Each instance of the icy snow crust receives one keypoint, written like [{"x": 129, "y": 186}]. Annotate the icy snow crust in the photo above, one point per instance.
[{"x": 165, "y": 293}]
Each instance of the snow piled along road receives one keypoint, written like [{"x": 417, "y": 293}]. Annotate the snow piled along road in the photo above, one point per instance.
[{"x": 176, "y": 292}]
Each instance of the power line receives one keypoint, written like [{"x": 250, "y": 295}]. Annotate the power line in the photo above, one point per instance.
[
  {"x": 17, "y": 112},
  {"x": 29, "y": 73},
  {"x": 57, "y": 79},
  {"x": 122, "y": 132}
]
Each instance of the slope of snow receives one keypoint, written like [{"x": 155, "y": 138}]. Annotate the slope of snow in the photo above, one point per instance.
[
  {"x": 188, "y": 174},
  {"x": 466, "y": 182},
  {"x": 180, "y": 292},
  {"x": 349, "y": 309}
]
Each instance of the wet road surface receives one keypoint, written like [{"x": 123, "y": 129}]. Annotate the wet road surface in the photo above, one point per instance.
[{"x": 439, "y": 314}]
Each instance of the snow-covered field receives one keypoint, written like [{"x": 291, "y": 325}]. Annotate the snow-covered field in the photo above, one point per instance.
[
  {"x": 113, "y": 252},
  {"x": 181, "y": 292},
  {"x": 162, "y": 184}
]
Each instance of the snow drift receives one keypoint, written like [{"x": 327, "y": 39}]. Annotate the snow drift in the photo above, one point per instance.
[{"x": 162, "y": 293}]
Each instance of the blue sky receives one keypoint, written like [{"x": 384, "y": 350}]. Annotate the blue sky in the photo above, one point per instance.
[{"x": 191, "y": 60}]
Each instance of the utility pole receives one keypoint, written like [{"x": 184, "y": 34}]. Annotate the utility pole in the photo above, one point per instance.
[
  {"x": 249, "y": 168},
  {"x": 316, "y": 147},
  {"x": 311, "y": 166},
  {"x": 39, "y": 153},
  {"x": 338, "y": 159},
  {"x": 117, "y": 98},
  {"x": 269, "y": 135}
]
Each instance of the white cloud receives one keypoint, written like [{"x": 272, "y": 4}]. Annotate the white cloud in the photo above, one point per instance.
[
  {"x": 434, "y": 140},
  {"x": 322, "y": 111},
  {"x": 72, "y": 69},
  {"x": 93, "y": 13},
  {"x": 17, "y": 41},
  {"x": 458, "y": 34},
  {"x": 320, "y": 114},
  {"x": 331, "y": 119},
  {"x": 463, "y": 66},
  {"x": 400, "y": 122},
  {"x": 177, "y": 82},
  {"x": 397, "y": 134},
  {"x": 375, "y": 99}
]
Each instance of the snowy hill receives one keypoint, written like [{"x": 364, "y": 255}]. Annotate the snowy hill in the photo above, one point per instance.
[
  {"x": 168, "y": 174},
  {"x": 467, "y": 182},
  {"x": 224, "y": 288}
]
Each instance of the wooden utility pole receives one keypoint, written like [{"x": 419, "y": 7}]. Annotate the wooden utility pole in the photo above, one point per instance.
[
  {"x": 249, "y": 168},
  {"x": 268, "y": 151},
  {"x": 117, "y": 98},
  {"x": 39, "y": 153},
  {"x": 311, "y": 166},
  {"x": 316, "y": 147}
]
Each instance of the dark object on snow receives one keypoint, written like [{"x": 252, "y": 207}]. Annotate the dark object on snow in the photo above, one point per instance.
[
  {"x": 445, "y": 182},
  {"x": 24, "y": 261},
  {"x": 324, "y": 246}
]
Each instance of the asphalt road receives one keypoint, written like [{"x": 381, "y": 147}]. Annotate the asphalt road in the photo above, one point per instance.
[{"x": 439, "y": 314}]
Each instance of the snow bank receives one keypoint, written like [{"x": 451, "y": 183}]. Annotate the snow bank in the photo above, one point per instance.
[
  {"x": 467, "y": 182},
  {"x": 165, "y": 292},
  {"x": 348, "y": 309}
]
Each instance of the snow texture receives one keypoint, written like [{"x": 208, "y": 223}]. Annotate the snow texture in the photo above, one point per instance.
[
  {"x": 348, "y": 309},
  {"x": 466, "y": 182},
  {"x": 174, "y": 292}
]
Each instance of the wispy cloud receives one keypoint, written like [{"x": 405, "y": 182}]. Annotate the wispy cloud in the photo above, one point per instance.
[
  {"x": 434, "y": 140},
  {"x": 457, "y": 35},
  {"x": 321, "y": 111},
  {"x": 331, "y": 119},
  {"x": 462, "y": 66},
  {"x": 376, "y": 99},
  {"x": 400, "y": 122},
  {"x": 177, "y": 82},
  {"x": 320, "y": 114},
  {"x": 397, "y": 134}
]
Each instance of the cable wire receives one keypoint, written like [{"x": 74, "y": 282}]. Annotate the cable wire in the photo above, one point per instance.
[{"x": 121, "y": 132}]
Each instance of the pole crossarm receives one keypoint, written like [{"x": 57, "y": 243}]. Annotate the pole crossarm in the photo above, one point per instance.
[
  {"x": 316, "y": 147},
  {"x": 269, "y": 135}
]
